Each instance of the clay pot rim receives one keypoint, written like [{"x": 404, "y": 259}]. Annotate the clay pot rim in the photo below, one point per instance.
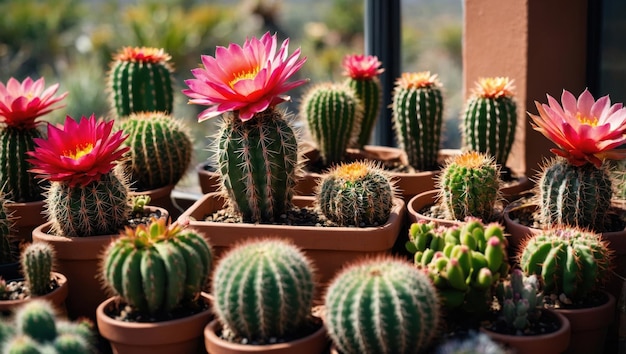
[{"x": 60, "y": 292}]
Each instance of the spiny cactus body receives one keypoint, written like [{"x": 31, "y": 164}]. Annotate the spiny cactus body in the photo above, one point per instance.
[
  {"x": 17, "y": 181},
  {"x": 263, "y": 289},
  {"x": 157, "y": 267},
  {"x": 258, "y": 163},
  {"x": 490, "y": 118},
  {"x": 574, "y": 195},
  {"x": 160, "y": 149},
  {"x": 7, "y": 248},
  {"x": 568, "y": 260},
  {"x": 418, "y": 117},
  {"x": 37, "y": 260},
  {"x": 381, "y": 306},
  {"x": 357, "y": 194},
  {"x": 333, "y": 114},
  {"x": 140, "y": 81},
  {"x": 469, "y": 185}
]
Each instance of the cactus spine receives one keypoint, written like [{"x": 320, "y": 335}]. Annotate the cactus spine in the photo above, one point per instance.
[
  {"x": 418, "y": 117},
  {"x": 258, "y": 162},
  {"x": 157, "y": 267},
  {"x": 262, "y": 289},
  {"x": 333, "y": 114},
  {"x": 490, "y": 118},
  {"x": 37, "y": 260},
  {"x": 568, "y": 260},
  {"x": 469, "y": 185},
  {"x": 356, "y": 194},
  {"x": 574, "y": 195},
  {"x": 160, "y": 149},
  {"x": 381, "y": 306},
  {"x": 140, "y": 81}
]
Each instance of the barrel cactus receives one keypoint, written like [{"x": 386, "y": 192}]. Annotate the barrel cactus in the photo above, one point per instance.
[
  {"x": 140, "y": 80},
  {"x": 156, "y": 268},
  {"x": 20, "y": 106},
  {"x": 362, "y": 76},
  {"x": 37, "y": 260},
  {"x": 333, "y": 114},
  {"x": 568, "y": 260},
  {"x": 381, "y": 305},
  {"x": 490, "y": 118},
  {"x": 263, "y": 289},
  {"x": 87, "y": 194},
  {"x": 160, "y": 149},
  {"x": 418, "y": 118},
  {"x": 469, "y": 185},
  {"x": 356, "y": 194}
]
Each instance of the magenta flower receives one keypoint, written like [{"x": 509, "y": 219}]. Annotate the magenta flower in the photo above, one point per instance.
[
  {"x": 246, "y": 79},
  {"x": 21, "y": 103},
  {"x": 361, "y": 67}
]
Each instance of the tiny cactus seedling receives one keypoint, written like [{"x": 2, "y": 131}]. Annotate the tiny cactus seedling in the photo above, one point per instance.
[
  {"x": 37, "y": 260},
  {"x": 356, "y": 194},
  {"x": 158, "y": 267},
  {"x": 490, "y": 118},
  {"x": 140, "y": 81},
  {"x": 263, "y": 289},
  {"x": 381, "y": 305},
  {"x": 333, "y": 114},
  {"x": 418, "y": 118},
  {"x": 520, "y": 299},
  {"x": 568, "y": 260},
  {"x": 469, "y": 185}
]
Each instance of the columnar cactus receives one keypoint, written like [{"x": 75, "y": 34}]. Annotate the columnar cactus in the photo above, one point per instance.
[
  {"x": 574, "y": 195},
  {"x": 356, "y": 194},
  {"x": 263, "y": 289},
  {"x": 418, "y": 117},
  {"x": 157, "y": 267},
  {"x": 37, "y": 260},
  {"x": 333, "y": 114},
  {"x": 140, "y": 80},
  {"x": 520, "y": 298},
  {"x": 469, "y": 185},
  {"x": 569, "y": 260},
  {"x": 362, "y": 76},
  {"x": 381, "y": 305},
  {"x": 490, "y": 118},
  {"x": 463, "y": 262},
  {"x": 160, "y": 149}
]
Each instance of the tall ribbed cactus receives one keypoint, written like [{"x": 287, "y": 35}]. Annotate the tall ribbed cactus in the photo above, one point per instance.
[
  {"x": 469, "y": 185},
  {"x": 490, "y": 118},
  {"x": 362, "y": 76},
  {"x": 258, "y": 162},
  {"x": 418, "y": 117},
  {"x": 160, "y": 149},
  {"x": 381, "y": 306},
  {"x": 263, "y": 289},
  {"x": 568, "y": 260},
  {"x": 14, "y": 143},
  {"x": 140, "y": 81},
  {"x": 333, "y": 114},
  {"x": 356, "y": 194},
  {"x": 37, "y": 260},
  {"x": 574, "y": 195},
  {"x": 157, "y": 267}
]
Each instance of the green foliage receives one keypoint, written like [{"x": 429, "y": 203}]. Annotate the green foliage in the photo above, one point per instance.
[{"x": 37, "y": 260}]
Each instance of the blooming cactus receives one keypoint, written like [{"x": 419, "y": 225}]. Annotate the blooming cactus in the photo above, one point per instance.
[{"x": 22, "y": 103}]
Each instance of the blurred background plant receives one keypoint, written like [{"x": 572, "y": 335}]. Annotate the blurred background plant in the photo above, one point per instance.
[{"x": 72, "y": 42}]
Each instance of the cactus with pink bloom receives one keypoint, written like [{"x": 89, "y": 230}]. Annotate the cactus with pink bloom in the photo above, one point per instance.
[{"x": 256, "y": 149}]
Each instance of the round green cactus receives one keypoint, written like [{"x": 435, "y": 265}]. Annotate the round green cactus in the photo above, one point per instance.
[
  {"x": 37, "y": 320},
  {"x": 381, "y": 305},
  {"x": 418, "y": 117},
  {"x": 37, "y": 260},
  {"x": 258, "y": 164},
  {"x": 490, "y": 118},
  {"x": 333, "y": 114},
  {"x": 160, "y": 149},
  {"x": 356, "y": 194},
  {"x": 569, "y": 260},
  {"x": 469, "y": 185},
  {"x": 157, "y": 267},
  {"x": 263, "y": 288}
]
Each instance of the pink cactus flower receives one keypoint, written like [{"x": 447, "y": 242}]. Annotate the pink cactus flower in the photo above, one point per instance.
[
  {"x": 22, "y": 103},
  {"x": 361, "y": 67}
]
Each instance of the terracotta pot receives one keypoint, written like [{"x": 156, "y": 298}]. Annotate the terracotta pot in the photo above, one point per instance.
[
  {"x": 183, "y": 335},
  {"x": 162, "y": 198},
  {"x": 209, "y": 180},
  {"x": 422, "y": 201},
  {"x": 329, "y": 248},
  {"x": 315, "y": 343},
  {"x": 27, "y": 216},
  {"x": 551, "y": 343},
  {"x": 56, "y": 298}
]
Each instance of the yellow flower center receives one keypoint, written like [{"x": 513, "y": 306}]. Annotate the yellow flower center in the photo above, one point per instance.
[
  {"x": 80, "y": 151},
  {"x": 586, "y": 120},
  {"x": 244, "y": 75},
  {"x": 417, "y": 80},
  {"x": 353, "y": 172}
]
